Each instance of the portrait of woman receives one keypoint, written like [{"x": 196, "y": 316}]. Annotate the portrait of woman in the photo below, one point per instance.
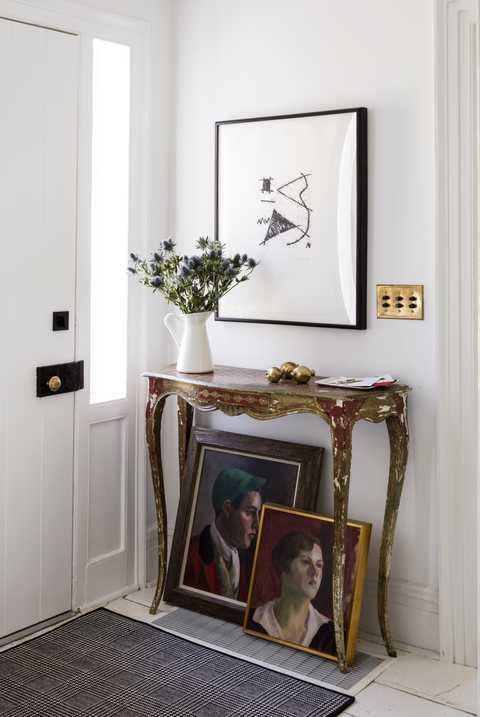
[
  {"x": 298, "y": 562},
  {"x": 290, "y": 596}
]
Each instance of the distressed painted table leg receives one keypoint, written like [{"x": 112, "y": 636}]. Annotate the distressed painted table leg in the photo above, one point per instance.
[
  {"x": 153, "y": 431},
  {"x": 185, "y": 422},
  {"x": 342, "y": 458},
  {"x": 398, "y": 434}
]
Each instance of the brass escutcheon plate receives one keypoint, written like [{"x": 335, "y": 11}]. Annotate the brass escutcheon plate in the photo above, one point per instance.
[{"x": 400, "y": 301}]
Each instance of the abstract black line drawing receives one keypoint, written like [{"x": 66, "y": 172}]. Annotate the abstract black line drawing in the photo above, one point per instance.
[
  {"x": 267, "y": 184},
  {"x": 278, "y": 225},
  {"x": 263, "y": 220},
  {"x": 278, "y": 222},
  {"x": 288, "y": 184}
]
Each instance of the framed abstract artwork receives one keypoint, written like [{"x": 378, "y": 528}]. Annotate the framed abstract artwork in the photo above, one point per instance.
[
  {"x": 290, "y": 596},
  {"x": 291, "y": 192},
  {"x": 227, "y": 479}
]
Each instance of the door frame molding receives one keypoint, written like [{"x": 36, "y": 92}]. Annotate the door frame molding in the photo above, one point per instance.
[
  {"x": 457, "y": 135},
  {"x": 88, "y": 23}
]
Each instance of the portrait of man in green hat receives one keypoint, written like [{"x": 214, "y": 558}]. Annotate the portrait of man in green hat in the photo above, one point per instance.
[{"x": 214, "y": 563}]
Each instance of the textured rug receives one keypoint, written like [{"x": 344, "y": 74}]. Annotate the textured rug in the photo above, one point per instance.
[
  {"x": 229, "y": 638},
  {"x": 105, "y": 665}
]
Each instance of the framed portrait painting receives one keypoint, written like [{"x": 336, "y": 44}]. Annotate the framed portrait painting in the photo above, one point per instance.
[
  {"x": 291, "y": 192},
  {"x": 290, "y": 596},
  {"x": 228, "y": 477}
]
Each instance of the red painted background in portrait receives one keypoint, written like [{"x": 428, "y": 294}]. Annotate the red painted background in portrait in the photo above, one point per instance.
[{"x": 276, "y": 524}]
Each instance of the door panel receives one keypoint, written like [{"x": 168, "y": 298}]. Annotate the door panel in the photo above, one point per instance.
[
  {"x": 38, "y": 155},
  {"x": 105, "y": 412}
]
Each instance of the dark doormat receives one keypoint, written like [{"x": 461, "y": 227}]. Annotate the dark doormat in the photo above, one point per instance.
[{"x": 103, "y": 664}]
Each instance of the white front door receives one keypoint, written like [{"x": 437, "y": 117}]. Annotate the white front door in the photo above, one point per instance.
[{"x": 38, "y": 160}]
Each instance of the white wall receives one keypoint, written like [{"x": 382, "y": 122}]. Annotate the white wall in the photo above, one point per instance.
[{"x": 258, "y": 58}]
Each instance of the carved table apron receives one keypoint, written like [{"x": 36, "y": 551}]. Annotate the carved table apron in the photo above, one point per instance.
[{"x": 237, "y": 391}]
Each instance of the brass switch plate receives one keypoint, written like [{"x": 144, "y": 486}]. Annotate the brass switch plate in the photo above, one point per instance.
[{"x": 399, "y": 301}]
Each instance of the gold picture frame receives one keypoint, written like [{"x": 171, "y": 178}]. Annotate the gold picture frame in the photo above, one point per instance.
[{"x": 290, "y": 594}]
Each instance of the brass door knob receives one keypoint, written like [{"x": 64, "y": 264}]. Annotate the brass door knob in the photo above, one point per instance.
[{"x": 54, "y": 383}]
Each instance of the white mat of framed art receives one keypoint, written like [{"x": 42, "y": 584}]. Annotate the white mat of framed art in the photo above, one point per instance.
[{"x": 230, "y": 639}]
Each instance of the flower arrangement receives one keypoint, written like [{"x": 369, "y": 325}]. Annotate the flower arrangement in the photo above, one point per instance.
[{"x": 196, "y": 283}]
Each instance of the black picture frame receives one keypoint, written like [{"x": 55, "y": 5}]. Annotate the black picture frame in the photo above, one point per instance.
[
  {"x": 292, "y": 472},
  {"x": 355, "y": 297}
]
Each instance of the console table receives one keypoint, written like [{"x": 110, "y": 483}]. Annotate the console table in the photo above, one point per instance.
[{"x": 236, "y": 391}]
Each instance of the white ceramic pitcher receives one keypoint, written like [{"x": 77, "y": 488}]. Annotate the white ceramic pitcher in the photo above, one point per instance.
[{"x": 194, "y": 354}]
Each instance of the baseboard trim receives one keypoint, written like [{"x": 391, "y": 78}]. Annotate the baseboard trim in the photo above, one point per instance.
[
  {"x": 413, "y": 610},
  {"x": 407, "y": 593},
  {"x": 19, "y": 635},
  {"x": 101, "y": 601}
]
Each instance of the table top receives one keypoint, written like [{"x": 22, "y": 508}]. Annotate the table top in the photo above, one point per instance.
[{"x": 234, "y": 378}]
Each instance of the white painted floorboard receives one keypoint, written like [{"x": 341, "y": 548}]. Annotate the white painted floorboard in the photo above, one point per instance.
[
  {"x": 380, "y": 701},
  {"x": 454, "y": 685}
]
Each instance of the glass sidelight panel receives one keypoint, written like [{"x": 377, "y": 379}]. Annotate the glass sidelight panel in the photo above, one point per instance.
[{"x": 109, "y": 220}]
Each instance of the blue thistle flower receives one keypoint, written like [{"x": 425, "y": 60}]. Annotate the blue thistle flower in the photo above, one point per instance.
[
  {"x": 195, "y": 280},
  {"x": 194, "y": 263}
]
